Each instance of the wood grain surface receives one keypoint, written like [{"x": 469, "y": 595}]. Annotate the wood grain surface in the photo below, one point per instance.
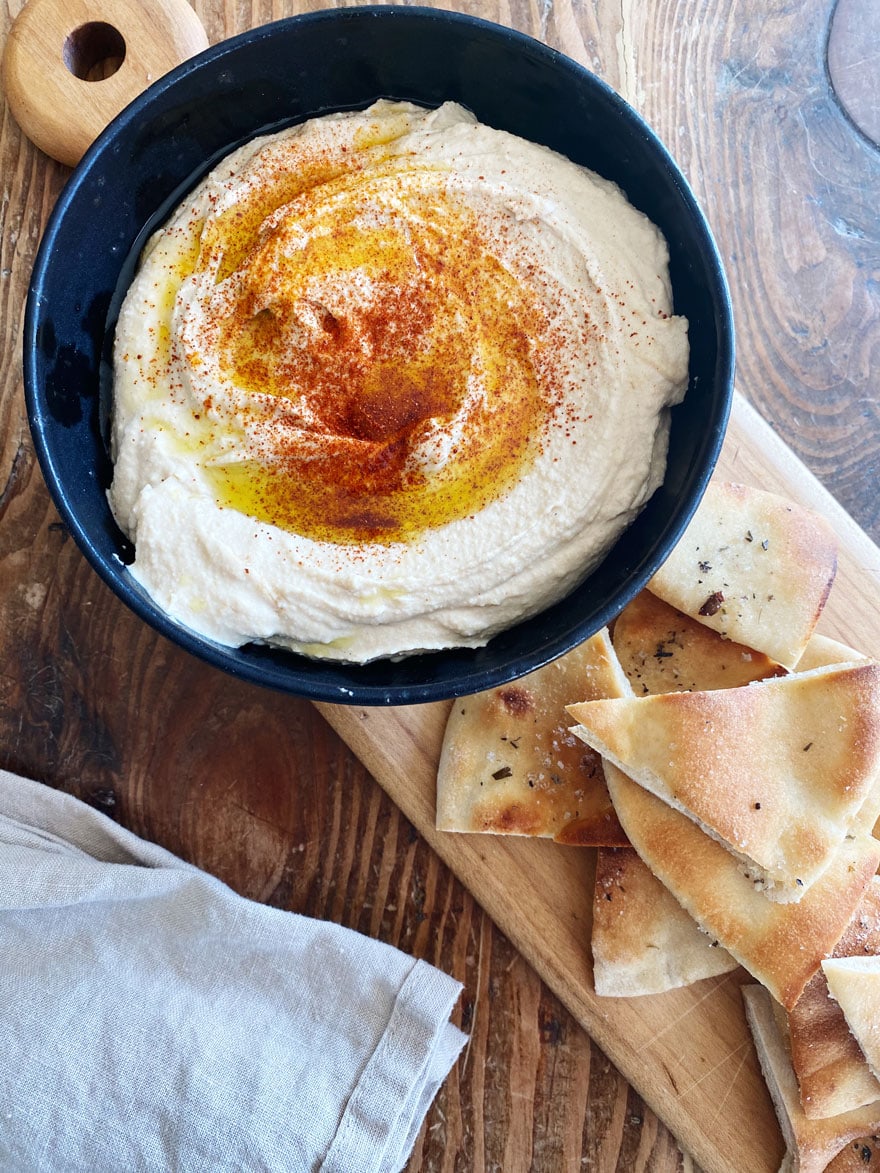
[{"x": 256, "y": 787}]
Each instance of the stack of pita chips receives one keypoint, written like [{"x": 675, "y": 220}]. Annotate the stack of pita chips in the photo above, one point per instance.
[
  {"x": 827, "y": 1097},
  {"x": 731, "y": 786},
  {"x": 510, "y": 765},
  {"x": 754, "y": 802},
  {"x": 830, "y": 1066}
]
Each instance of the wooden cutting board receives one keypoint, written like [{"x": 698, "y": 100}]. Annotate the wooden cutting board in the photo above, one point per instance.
[{"x": 687, "y": 1052}]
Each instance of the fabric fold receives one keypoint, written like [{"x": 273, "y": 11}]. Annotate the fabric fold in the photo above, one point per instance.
[{"x": 155, "y": 1020}]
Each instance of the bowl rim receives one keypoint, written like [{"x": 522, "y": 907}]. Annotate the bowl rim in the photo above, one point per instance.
[{"x": 328, "y": 680}]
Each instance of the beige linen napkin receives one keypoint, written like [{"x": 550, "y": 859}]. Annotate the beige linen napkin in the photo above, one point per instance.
[{"x": 151, "y": 1019}]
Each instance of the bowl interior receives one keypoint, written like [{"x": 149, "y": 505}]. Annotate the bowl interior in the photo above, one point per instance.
[{"x": 282, "y": 73}]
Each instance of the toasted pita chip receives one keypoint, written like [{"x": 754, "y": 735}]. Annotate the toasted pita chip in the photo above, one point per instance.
[
  {"x": 509, "y": 764},
  {"x": 831, "y": 1070},
  {"x": 754, "y": 567},
  {"x": 777, "y": 770},
  {"x": 811, "y": 1144},
  {"x": 643, "y": 940},
  {"x": 859, "y": 1156},
  {"x": 781, "y": 945},
  {"x": 854, "y": 983},
  {"x": 822, "y": 651},
  {"x": 662, "y": 650}
]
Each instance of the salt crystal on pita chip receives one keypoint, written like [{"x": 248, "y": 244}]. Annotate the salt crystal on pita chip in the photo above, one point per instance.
[{"x": 754, "y": 567}]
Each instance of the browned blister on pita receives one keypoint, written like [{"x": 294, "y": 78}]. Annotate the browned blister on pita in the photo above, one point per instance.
[
  {"x": 777, "y": 771},
  {"x": 812, "y": 1144},
  {"x": 510, "y": 765},
  {"x": 781, "y": 945},
  {"x": 643, "y": 941},
  {"x": 662, "y": 650},
  {"x": 832, "y": 1072},
  {"x": 754, "y": 567}
]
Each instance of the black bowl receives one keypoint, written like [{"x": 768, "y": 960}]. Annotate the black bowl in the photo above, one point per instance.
[{"x": 282, "y": 73}]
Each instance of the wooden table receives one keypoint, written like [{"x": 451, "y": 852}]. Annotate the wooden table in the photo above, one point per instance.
[{"x": 256, "y": 787}]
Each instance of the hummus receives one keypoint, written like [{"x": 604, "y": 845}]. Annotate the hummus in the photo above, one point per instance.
[{"x": 389, "y": 381}]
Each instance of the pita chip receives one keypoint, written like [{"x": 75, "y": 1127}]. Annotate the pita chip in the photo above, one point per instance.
[
  {"x": 859, "y": 1156},
  {"x": 811, "y": 1144},
  {"x": 832, "y": 1073},
  {"x": 662, "y": 650},
  {"x": 754, "y": 567},
  {"x": 643, "y": 940},
  {"x": 854, "y": 983},
  {"x": 822, "y": 651},
  {"x": 781, "y": 945},
  {"x": 778, "y": 770},
  {"x": 510, "y": 765}
]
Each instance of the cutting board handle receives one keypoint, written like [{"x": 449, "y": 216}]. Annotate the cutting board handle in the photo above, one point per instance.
[{"x": 70, "y": 66}]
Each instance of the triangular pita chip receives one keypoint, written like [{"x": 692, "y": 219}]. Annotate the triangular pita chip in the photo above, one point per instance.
[
  {"x": 812, "y": 1144},
  {"x": 777, "y": 770},
  {"x": 854, "y": 983},
  {"x": 781, "y": 945},
  {"x": 662, "y": 650},
  {"x": 510, "y": 765},
  {"x": 822, "y": 651},
  {"x": 754, "y": 567},
  {"x": 643, "y": 940},
  {"x": 831, "y": 1070}
]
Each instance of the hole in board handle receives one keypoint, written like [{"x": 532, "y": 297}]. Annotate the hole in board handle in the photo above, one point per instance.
[{"x": 94, "y": 51}]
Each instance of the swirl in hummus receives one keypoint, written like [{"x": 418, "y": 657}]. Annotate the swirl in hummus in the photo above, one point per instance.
[{"x": 389, "y": 381}]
